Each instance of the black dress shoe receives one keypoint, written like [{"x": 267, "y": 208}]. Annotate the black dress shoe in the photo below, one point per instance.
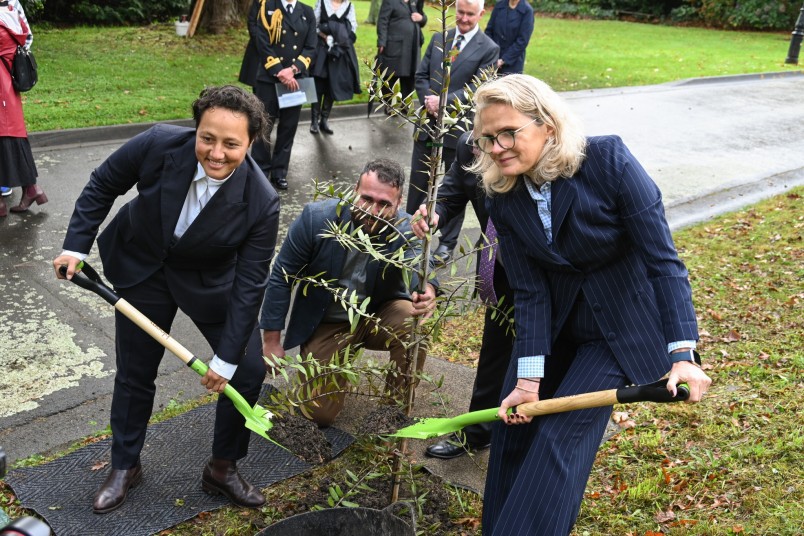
[
  {"x": 442, "y": 255},
  {"x": 220, "y": 477},
  {"x": 452, "y": 447},
  {"x": 280, "y": 183},
  {"x": 112, "y": 494}
]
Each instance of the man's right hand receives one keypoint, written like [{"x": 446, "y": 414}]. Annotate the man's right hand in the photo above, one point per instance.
[
  {"x": 271, "y": 347},
  {"x": 419, "y": 222},
  {"x": 66, "y": 260}
]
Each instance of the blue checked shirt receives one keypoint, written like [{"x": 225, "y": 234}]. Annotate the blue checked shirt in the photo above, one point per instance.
[{"x": 533, "y": 366}]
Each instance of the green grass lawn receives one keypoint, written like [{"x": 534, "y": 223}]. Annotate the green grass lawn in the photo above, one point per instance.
[{"x": 102, "y": 76}]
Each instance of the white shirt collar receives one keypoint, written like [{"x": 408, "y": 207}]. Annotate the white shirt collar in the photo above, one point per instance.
[{"x": 467, "y": 36}]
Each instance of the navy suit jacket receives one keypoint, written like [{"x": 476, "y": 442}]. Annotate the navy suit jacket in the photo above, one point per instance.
[
  {"x": 218, "y": 269},
  {"x": 611, "y": 241},
  {"x": 478, "y": 54},
  {"x": 512, "y": 34},
  {"x": 306, "y": 253}
]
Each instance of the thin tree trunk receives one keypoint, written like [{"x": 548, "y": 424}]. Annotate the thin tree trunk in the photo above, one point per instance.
[
  {"x": 374, "y": 12},
  {"x": 220, "y": 15}
]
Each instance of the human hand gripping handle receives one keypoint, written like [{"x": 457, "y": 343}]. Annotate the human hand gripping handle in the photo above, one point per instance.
[
  {"x": 691, "y": 374},
  {"x": 70, "y": 265},
  {"x": 526, "y": 390}
]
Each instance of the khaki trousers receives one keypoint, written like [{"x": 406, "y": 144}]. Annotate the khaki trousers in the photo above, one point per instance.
[{"x": 329, "y": 340}]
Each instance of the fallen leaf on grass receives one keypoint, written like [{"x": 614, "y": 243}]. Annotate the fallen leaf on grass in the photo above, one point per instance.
[
  {"x": 733, "y": 336},
  {"x": 664, "y": 517}
]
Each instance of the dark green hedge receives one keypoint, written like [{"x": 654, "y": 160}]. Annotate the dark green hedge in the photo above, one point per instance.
[
  {"x": 735, "y": 14},
  {"x": 108, "y": 12}
]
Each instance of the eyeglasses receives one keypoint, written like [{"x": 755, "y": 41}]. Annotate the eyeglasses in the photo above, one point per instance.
[{"x": 505, "y": 139}]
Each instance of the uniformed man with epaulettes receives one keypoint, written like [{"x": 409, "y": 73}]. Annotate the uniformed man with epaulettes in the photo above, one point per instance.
[{"x": 280, "y": 51}]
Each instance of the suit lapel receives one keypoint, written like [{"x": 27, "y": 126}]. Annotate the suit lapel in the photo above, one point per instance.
[
  {"x": 337, "y": 251},
  {"x": 222, "y": 210},
  {"x": 564, "y": 193},
  {"x": 177, "y": 174},
  {"x": 524, "y": 211}
]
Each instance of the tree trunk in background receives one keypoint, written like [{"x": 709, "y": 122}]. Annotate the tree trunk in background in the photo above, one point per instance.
[
  {"x": 220, "y": 15},
  {"x": 374, "y": 12}
]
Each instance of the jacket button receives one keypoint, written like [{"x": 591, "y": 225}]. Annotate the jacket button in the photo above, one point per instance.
[
  {"x": 284, "y": 31},
  {"x": 597, "y": 307},
  {"x": 294, "y": 47},
  {"x": 295, "y": 33},
  {"x": 611, "y": 336}
]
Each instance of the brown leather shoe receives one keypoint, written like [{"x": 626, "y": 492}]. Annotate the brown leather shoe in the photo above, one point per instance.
[
  {"x": 220, "y": 477},
  {"x": 112, "y": 494}
]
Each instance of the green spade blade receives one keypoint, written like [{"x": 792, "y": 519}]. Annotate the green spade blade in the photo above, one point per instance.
[
  {"x": 258, "y": 419},
  {"x": 438, "y": 426}
]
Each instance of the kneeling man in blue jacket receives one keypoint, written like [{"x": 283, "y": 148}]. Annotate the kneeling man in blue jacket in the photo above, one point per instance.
[{"x": 318, "y": 322}]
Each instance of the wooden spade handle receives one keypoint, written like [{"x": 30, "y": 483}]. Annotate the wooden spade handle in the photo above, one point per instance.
[
  {"x": 130, "y": 312},
  {"x": 568, "y": 403}
]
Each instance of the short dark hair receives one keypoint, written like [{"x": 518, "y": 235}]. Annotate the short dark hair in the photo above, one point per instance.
[
  {"x": 388, "y": 172},
  {"x": 238, "y": 100}
]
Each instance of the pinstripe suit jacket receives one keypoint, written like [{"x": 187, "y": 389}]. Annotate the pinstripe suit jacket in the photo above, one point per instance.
[{"x": 610, "y": 240}]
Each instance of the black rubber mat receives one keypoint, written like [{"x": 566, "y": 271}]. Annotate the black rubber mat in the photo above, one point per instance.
[{"x": 175, "y": 452}]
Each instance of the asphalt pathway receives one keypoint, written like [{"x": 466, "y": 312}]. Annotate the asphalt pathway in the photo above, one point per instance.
[{"x": 712, "y": 145}]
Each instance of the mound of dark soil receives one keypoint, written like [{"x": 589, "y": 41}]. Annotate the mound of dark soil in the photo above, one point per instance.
[
  {"x": 302, "y": 438},
  {"x": 384, "y": 420}
]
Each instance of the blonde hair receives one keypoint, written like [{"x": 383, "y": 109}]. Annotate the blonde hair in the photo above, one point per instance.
[{"x": 563, "y": 152}]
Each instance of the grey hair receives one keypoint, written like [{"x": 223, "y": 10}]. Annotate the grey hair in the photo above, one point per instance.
[
  {"x": 478, "y": 3},
  {"x": 563, "y": 152}
]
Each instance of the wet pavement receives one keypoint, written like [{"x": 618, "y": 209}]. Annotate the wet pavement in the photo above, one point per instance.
[{"x": 712, "y": 145}]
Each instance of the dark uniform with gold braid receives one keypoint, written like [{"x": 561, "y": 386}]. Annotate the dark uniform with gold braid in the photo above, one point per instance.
[{"x": 279, "y": 40}]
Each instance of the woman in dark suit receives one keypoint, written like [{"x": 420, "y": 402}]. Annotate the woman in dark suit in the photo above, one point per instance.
[
  {"x": 601, "y": 299},
  {"x": 400, "y": 40},
  {"x": 198, "y": 236},
  {"x": 510, "y": 26}
]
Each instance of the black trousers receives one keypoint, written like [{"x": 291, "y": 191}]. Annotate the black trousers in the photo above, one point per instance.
[
  {"x": 138, "y": 359},
  {"x": 495, "y": 356},
  {"x": 417, "y": 190},
  {"x": 274, "y": 161}
]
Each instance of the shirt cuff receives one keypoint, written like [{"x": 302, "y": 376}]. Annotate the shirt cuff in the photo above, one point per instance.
[
  {"x": 530, "y": 367},
  {"x": 681, "y": 344},
  {"x": 79, "y": 256},
  {"x": 222, "y": 368}
]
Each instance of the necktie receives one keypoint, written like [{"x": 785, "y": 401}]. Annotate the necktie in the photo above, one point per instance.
[
  {"x": 458, "y": 43},
  {"x": 485, "y": 269},
  {"x": 204, "y": 195},
  {"x": 290, "y": 9}
]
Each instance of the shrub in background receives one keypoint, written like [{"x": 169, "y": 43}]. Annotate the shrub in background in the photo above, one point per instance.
[
  {"x": 33, "y": 9},
  {"x": 111, "y": 12},
  {"x": 732, "y": 14},
  {"x": 748, "y": 14}
]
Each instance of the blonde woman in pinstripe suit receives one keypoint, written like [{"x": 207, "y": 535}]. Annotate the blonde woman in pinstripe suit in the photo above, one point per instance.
[{"x": 601, "y": 297}]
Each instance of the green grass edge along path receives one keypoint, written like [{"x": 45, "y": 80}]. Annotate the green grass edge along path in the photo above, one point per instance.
[{"x": 94, "y": 76}]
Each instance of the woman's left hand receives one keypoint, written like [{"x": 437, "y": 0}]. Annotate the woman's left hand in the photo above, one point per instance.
[
  {"x": 693, "y": 376},
  {"x": 214, "y": 382},
  {"x": 416, "y": 17}
]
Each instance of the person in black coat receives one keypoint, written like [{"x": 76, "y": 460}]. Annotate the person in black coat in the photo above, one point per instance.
[
  {"x": 336, "y": 72},
  {"x": 459, "y": 187},
  {"x": 198, "y": 236},
  {"x": 510, "y": 26},
  {"x": 473, "y": 53},
  {"x": 281, "y": 50},
  {"x": 400, "y": 40}
]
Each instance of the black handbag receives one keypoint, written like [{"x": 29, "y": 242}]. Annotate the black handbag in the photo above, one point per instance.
[{"x": 23, "y": 70}]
